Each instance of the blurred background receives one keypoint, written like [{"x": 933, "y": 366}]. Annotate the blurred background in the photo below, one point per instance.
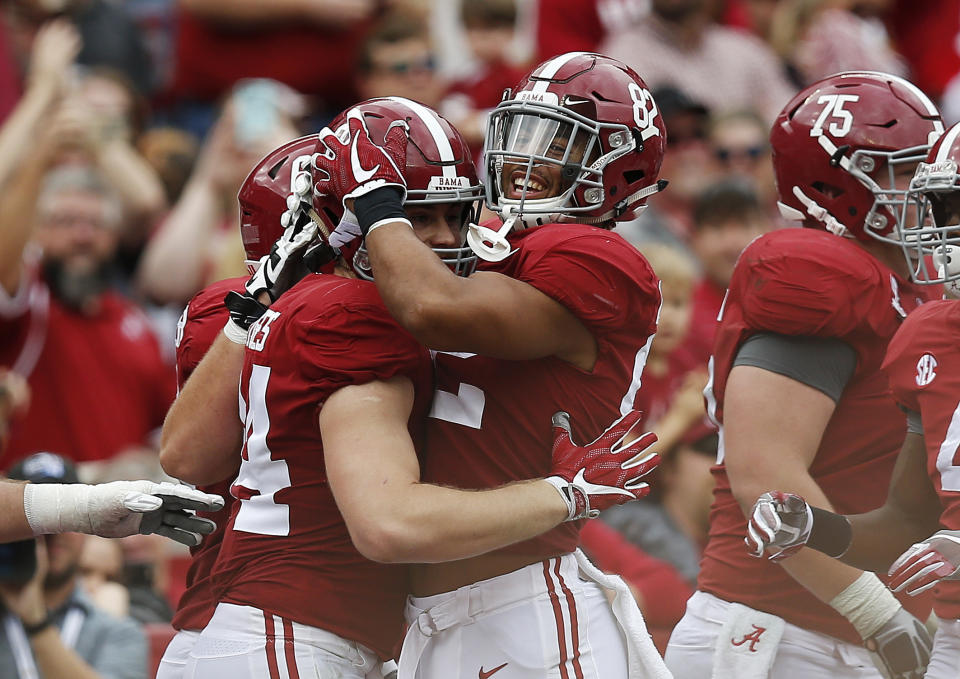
[{"x": 127, "y": 127}]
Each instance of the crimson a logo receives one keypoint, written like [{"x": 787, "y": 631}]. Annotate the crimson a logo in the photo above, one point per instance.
[{"x": 926, "y": 370}]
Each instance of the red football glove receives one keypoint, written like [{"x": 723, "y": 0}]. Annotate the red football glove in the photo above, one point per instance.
[
  {"x": 605, "y": 472},
  {"x": 353, "y": 167},
  {"x": 927, "y": 563}
]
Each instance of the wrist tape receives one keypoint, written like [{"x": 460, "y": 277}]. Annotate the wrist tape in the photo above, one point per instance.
[
  {"x": 57, "y": 508},
  {"x": 829, "y": 533},
  {"x": 378, "y": 207},
  {"x": 867, "y": 604}
]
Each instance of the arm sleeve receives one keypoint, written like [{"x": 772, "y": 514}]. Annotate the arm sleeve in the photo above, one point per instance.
[
  {"x": 914, "y": 423},
  {"x": 826, "y": 364}
]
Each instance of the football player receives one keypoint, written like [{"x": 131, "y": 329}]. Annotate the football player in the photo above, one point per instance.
[
  {"x": 333, "y": 396},
  {"x": 263, "y": 201},
  {"x": 562, "y": 311},
  {"x": 803, "y": 406},
  {"x": 923, "y": 366}
]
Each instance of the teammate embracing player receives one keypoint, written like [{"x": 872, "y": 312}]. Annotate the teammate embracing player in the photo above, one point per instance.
[
  {"x": 804, "y": 407},
  {"x": 333, "y": 395},
  {"x": 561, "y": 315},
  {"x": 923, "y": 365}
]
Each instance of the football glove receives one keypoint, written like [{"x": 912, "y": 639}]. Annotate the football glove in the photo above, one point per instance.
[
  {"x": 780, "y": 522},
  {"x": 927, "y": 563},
  {"x": 901, "y": 647},
  {"x": 119, "y": 509},
  {"x": 606, "y": 472}
]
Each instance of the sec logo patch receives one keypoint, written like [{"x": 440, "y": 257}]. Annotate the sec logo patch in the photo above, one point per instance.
[{"x": 926, "y": 370}]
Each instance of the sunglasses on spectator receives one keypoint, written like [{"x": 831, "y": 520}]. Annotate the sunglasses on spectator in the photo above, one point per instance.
[
  {"x": 407, "y": 67},
  {"x": 726, "y": 155}
]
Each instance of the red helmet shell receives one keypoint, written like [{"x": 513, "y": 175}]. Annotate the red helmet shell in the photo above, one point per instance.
[
  {"x": 263, "y": 195},
  {"x": 608, "y": 102},
  {"x": 837, "y": 146}
]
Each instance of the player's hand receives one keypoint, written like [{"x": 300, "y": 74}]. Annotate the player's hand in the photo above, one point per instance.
[
  {"x": 901, "y": 647},
  {"x": 927, "y": 563},
  {"x": 605, "y": 472},
  {"x": 121, "y": 508},
  {"x": 352, "y": 168},
  {"x": 780, "y": 523}
]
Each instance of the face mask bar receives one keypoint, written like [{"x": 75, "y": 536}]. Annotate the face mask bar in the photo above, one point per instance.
[
  {"x": 520, "y": 133},
  {"x": 461, "y": 260},
  {"x": 931, "y": 240},
  {"x": 888, "y": 199}
]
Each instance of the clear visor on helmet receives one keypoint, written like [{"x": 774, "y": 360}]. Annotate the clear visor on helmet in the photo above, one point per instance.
[
  {"x": 537, "y": 157},
  {"x": 929, "y": 234}
]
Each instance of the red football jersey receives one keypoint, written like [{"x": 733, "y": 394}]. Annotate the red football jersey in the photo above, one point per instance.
[
  {"x": 287, "y": 550},
  {"x": 803, "y": 282},
  {"x": 202, "y": 320},
  {"x": 490, "y": 419},
  {"x": 98, "y": 383},
  {"x": 923, "y": 364}
]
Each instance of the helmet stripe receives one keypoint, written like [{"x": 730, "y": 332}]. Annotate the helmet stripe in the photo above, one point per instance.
[
  {"x": 549, "y": 69},
  {"x": 943, "y": 152},
  {"x": 429, "y": 118}
]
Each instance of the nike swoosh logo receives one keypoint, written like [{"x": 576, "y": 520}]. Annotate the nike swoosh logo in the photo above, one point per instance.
[
  {"x": 484, "y": 675},
  {"x": 359, "y": 173}
]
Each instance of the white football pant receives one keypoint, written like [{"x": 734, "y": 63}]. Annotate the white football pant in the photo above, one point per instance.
[
  {"x": 243, "y": 642},
  {"x": 945, "y": 661},
  {"x": 801, "y": 653},
  {"x": 543, "y": 621},
  {"x": 174, "y": 659}
]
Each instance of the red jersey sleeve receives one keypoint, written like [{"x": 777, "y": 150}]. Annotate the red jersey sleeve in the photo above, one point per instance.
[
  {"x": 916, "y": 351},
  {"x": 594, "y": 273},
  {"x": 201, "y": 322},
  {"x": 817, "y": 286},
  {"x": 340, "y": 344}
]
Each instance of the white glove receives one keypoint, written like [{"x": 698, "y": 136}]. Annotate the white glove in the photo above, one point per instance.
[
  {"x": 780, "y": 522},
  {"x": 119, "y": 509},
  {"x": 901, "y": 647},
  {"x": 281, "y": 269},
  {"x": 927, "y": 563}
]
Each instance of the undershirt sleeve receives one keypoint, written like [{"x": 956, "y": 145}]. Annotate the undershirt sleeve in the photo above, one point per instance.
[
  {"x": 826, "y": 364},
  {"x": 914, "y": 423}
]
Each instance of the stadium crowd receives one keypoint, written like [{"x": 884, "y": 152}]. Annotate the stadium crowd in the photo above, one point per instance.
[{"x": 127, "y": 129}]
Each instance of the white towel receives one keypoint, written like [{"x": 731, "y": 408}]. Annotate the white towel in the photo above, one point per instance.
[
  {"x": 747, "y": 644},
  {"x": 644, "y": 661}
]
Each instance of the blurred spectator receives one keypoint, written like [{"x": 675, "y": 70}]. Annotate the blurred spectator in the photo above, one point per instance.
[
  {"x": 927, "y": 34},
  {"x": 673, "y": 379},
  {"x": 62, "y": 325},
  {"x": 14, "y": 400},
  {"x": 109, "y": 37},
  {"x": 678, "y": 44},
  {"x": 202, "y": 229},
  {"x": 489, "y": 26},
  {"x": 171, "y": 153},
  {"x": 687, "y": 166},
  {"x": 310, "y": 45},
  {"x": 818, "y": 38},
  {"x": 581, "y": 25},
  {"x": 396, "y": 59},
  {"x": 51, "y": 629},
  {"x": 740, "y": 148},
  {"x": 101, "y": 570},
  {"x": 727, "y": 216}
]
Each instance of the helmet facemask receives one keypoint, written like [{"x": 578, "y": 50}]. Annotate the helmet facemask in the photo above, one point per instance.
[
  {"x": 524, "y": 137},
  {"x": 930, "y": 235}
]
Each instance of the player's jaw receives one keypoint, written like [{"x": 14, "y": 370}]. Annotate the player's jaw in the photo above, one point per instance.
[{"x": 543, "y": 181}]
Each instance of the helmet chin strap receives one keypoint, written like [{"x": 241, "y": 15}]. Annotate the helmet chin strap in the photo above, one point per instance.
[
  {"x": 821, "y": 214},
  {"x": 947, "y": 261}
]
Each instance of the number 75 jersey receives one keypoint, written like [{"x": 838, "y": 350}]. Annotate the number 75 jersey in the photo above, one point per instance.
[
  {"x": 287, "y": 550},
  {"x": 923, "y": 364},
  {"x": 490, "y": 420}
]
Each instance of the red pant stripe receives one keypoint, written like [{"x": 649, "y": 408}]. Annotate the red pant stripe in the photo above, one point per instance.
[
  {"x": 289, "y": 650},
  {"x": 271, "y": 646},
  {"x": 574, "y": 631},
  {"x": 558, "y": 616}
]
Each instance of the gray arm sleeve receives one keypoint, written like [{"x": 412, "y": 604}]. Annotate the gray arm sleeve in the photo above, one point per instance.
[
  {"x": 826, "y": 364},
  {"x": 914, "y": 424}
]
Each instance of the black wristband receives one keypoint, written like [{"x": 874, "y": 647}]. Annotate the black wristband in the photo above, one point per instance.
[
  {"x": 383, "y": 203},
  {"x": 33, "y": 630},
  {"x": 830, "y": 533}
]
